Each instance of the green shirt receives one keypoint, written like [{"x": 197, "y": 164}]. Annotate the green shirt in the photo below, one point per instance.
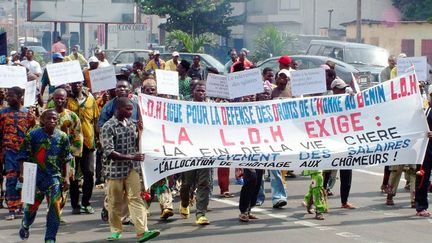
[{"x": 184, "y": 86}]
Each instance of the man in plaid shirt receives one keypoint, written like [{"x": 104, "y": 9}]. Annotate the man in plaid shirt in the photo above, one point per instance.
[{"x": 120, "y": 143}]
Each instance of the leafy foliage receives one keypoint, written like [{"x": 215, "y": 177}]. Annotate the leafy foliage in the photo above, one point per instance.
[
  {"x": 414, "y": 10},
  {"x": 272, "y": 42},
  {"x": 179, "y": 40},
  {"x": 194, "y": 17}
]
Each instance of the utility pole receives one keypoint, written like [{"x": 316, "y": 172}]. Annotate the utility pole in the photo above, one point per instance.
[
  {"x": 314, "y": 17},
  {"x": 16, "y": 26},
  {"x": 330, "y": 18},
  {"x": 359, "y": 22}
]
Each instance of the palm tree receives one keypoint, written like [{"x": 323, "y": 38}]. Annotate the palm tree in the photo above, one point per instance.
[
  {"x": 272, "y": 42},
  {"x": 188, "y": 43}
]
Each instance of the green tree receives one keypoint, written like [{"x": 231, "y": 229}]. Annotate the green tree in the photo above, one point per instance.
[
  {"x": 194, "y": 17},
  {"x": 179, "y": 40},
  {"x": 414, "y": 10},
  {"x": 272, "y": 42}
]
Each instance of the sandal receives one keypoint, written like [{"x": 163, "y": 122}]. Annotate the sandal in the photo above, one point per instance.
[
  {"x": 227, "y": 195},
  {"x": 308, "y": 207},
  {"x": 423, "y": 213},
  {"x": 114, "y": 236},
  {"x": 390, "y": 202},
  {"x": 252, "y": 216},
  {"x": 243, "y": 217},
  {"x": 319, "y": 216}
]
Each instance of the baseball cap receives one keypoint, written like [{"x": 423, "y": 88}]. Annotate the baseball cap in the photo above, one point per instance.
[
  {"x": 156, "y": 52},
  {"x": 93, "y": 59},
  {"x": 286, "y": 72},
  {"x": 57, "y": 55},
  {"x": 285, "y": 60},
  {"x": 338, "y": 83},
  {"x": 175, "y": 54},
  {"x": 13, "y": 53}
]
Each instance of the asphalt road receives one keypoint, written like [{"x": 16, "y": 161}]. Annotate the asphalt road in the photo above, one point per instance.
[{"x": 372, "y": 221}]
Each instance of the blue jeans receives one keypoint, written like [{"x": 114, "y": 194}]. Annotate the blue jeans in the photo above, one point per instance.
[
  {"x": 261, "y": 193},
  {"x": 278, "y": 189}
]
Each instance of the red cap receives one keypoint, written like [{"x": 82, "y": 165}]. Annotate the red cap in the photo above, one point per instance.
[{"x": 285, "y": 60}]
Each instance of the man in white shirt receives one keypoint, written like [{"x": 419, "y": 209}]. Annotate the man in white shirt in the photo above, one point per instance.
[
  {"x": 34, "y": 70},
  {"x": 103, "y": 62}
]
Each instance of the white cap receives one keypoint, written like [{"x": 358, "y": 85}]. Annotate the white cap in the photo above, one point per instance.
[
  {"x": 156, "y": 52},
  {"x": 93, "y": 59},
  {"x": 286, "y": 72},
  {"x": 338, "y": 83},
  {"x": 13, "y": 53},
  {"x": 402, "y": 55},
  {"x": 175, "y": 54}
]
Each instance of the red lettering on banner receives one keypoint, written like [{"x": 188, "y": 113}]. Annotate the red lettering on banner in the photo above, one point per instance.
[
  {"x": 224, "y": 141},
  {"x": 183, "y": 136},
  {"x": 158, "y": 110},
  {"x": 392, "y": 91},
  {"x": 164, "y": 136},
  {"x": 276, "y": 133},
  {"x": 413, "y": 84},
  {"x": 319, "y": 106},
  {"x": 275, "y": 112},
  {"x": 403, "y": 87},
  {"x": 334, "y": 125},
  {"x": 360, "y": 100},
  {"x": 254, "y": 135},
  {"x": 150, "y": 106},
  {"x": 164, "y": 112},
  {"x": 224, "y": 116}
]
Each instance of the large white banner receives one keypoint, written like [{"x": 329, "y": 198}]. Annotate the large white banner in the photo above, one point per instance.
[
  {"x": 64, "y": 73},
  {"x": 383, "y": 125}
]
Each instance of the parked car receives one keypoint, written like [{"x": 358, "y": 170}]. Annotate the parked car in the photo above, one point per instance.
[
  {"x": 206, "y": 60},
  {"x": 366, "y": 58},
  {"x": 121, "y": 58},
  {"x": 343, "y": 70}
]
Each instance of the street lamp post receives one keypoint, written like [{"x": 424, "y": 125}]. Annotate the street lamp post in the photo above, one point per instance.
[{"x": 330, "y": 18}]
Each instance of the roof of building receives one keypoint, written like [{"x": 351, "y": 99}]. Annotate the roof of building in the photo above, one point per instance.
[{"x": 371, "y": 21}]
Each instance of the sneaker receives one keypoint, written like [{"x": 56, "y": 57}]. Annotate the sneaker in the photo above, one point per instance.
[
  {"x": 184, "y": 212},
  {"x": 166, "y": 213},
  {"x": 87, "y": 209},
  {"x": 24, "y": 232},
  {"x": 280, "y": 204},
  {"x": 114, "y": 236},
  {"x": 76, "y": 210},
  {"x": 148, "y": 235},
  {"x": 10, "y": 216},
  {"x": 348, "y": 206},
  {"x": 202, "y": 220}
]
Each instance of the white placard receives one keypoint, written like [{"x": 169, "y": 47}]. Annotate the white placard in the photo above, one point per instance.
[
  {"x": 217, "y": 86},
  {"x": 11, "y": 76},
  {"x": 103, "y": 79},
  {"x": 244, "y": 83},
  {"x": 404, "y": 65},
  {"x": 29, "y": 183},
  {"x": 64, "y": 73},
  {"x": 167, "y": 82},
  {"x": 30, "y": 93},
  {"x": 308, "y": 81}
]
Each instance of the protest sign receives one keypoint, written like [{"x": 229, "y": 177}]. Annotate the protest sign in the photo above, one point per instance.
[
  {"x": 103, "y": 79},
  {"x": 244, "y": 83},
  {"x": 30, "y": 93},
  {"x": 29, "y": 183},
  {"x": 167, "y": 82},
  {"x": 308, "y": 81},
  {"x": 11, "y": 76},
  {"x": 324, "y": 132},
  {"x": 405, "y": 65},
  {"x": 64, "y": 73},
  {"x": 217, "y": 86}
]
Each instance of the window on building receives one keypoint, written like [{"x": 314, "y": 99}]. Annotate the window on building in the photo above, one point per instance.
[
  {"x": 289, "y": 4},
  {"x": 407, "y": 47},
  {"x": 426, "y": 49}
]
